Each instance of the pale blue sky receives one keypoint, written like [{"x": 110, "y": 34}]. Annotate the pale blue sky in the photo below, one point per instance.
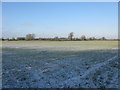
[{"x": 50, "y": 19}]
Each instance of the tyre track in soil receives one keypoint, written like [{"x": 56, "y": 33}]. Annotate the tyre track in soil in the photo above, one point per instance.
[{"x": 91, "y": 70}]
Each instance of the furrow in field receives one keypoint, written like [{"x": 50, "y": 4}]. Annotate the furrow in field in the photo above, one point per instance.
[{"x": 91, "y": 70}]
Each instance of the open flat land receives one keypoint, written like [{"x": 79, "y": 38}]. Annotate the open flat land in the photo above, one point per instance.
[{"x": 57, "y": 64}]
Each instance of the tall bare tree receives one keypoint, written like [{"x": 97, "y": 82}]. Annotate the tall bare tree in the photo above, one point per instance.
[
  {"x": 70, "y": 36},
  {"x": 13, "y": 38},
  {"x": 94, "y": 38},
  {"x": 30, "y": 36},
  {"x": 103, "y": 38},
  {"x": 56, "y": 38},
  {"x": 83, "y": 37}
]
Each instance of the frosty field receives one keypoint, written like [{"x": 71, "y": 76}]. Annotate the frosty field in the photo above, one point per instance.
[{"x": 58, "y": 64}]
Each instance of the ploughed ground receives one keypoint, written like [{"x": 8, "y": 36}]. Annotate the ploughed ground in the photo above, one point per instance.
[{"x": 59, "y": 67}]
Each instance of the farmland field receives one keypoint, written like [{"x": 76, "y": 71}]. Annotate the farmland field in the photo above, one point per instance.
[{"x": 58, "y": 64}]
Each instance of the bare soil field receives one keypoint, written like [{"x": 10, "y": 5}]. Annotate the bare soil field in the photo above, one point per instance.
[{"x": 59, "y": 64}]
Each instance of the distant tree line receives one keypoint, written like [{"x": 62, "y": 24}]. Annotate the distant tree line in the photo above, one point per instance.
[{"x": 56, "y": 38}]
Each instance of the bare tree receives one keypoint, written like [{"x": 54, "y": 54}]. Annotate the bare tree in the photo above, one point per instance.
[
  {"x": 56, "y": 38},
  {"x": 94, "y": 38},
  {"x": 90, "y": 38},
  {"x": 30, "y": 36},
  {"x": 103, "y": 38},
  {"x": 8, "y": 39},
  {"x": 70, "y": 36},
  {"x": 20, "y": 38},
  {"x": 83, "y": 37},
  {"x": 3, "y": 39},
  {"x": 13, "y": 38}
]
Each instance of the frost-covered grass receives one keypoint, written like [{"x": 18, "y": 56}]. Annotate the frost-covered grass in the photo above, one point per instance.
[
  {"x": 62, "y": 45},
  {"x": 58, "y": 64}
]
